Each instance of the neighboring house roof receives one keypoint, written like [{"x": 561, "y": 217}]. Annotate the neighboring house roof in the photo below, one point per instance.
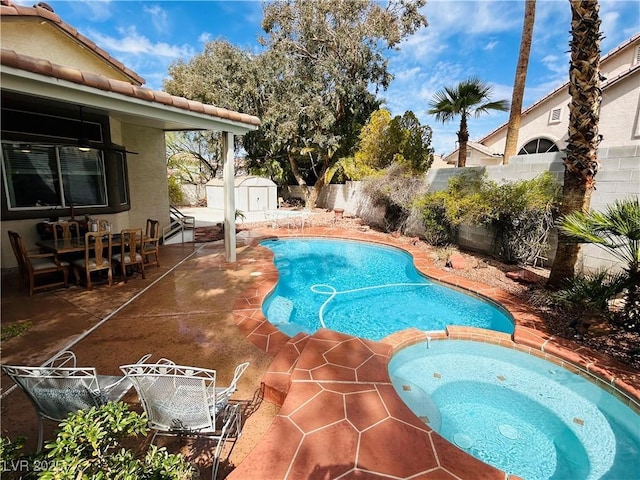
[
  {"x": 40, "y": 66},
  {"x": 46, "y": 13},
  {"x": 476, "y": 146},
  {"x": 605, "y": 84}
]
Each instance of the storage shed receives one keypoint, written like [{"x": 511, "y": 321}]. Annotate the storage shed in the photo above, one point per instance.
[{"x": 251, "y": 194}]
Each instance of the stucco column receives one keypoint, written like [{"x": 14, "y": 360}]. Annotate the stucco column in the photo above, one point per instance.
[{"x": 229, "y": 197}]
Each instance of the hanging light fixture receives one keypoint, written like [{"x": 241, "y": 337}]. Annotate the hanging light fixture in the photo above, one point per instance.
[{"x": 83, "y": 141}]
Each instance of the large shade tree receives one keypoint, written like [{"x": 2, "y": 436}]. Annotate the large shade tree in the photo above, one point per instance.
[
  {"x": 471, "y": 97},
  {"x": 385, "y": 141},
  {"x": 313, "y": 86},
  {"x": 332, "y": 58},
  {"x": 581, "y": 161}
]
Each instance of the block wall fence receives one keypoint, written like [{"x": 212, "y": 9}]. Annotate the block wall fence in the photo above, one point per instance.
[{"x": 618, "y": 178}]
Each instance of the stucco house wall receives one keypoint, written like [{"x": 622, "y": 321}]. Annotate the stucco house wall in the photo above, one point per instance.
[
  {"x": 619, "y": 110},
  {"x": 149, "y": 191},
  {"x": 51, "y": 74},
  {"x": 30, "y": 36}
]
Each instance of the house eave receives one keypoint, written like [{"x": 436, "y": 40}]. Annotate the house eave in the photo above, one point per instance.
[{"x": 122, "y": 107}]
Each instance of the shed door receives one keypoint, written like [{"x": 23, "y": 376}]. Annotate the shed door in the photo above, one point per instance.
[{"x": 258, "y": 198}]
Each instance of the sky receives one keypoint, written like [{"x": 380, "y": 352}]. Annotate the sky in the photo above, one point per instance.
[{"x": 464, "y": 38}]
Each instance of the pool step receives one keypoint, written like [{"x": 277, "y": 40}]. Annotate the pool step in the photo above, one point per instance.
[{"x": 277, "y": 380}]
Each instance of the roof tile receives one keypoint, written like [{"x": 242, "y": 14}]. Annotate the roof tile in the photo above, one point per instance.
[
  {"x": 44, "y": 67},
  {"x": 163, "y": 97},
  {"x": 71, "y": 74},
  {"x": 143, "y": 93},
  {"x": 122, "y": 87},
  {"x": 180, "y": 102},
  {"x": 196, "y": 106}
]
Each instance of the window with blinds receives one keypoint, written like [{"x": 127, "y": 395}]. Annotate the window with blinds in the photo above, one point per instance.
[{"x": 46, "y": 176}]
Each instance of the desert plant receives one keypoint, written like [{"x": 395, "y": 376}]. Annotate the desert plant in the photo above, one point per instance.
[
  {"x": 591, "y": 292},
  {"x": 616, "y": 230},
  {"x": 438, "y": 230},
  {"x": 89, "y": 444}
]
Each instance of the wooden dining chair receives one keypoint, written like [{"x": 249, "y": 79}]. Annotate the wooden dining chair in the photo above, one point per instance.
[
  {"x": 32, "y": 265},
  {"x": 97, "y": 256},
  {"x": 65, "y": 230},
  {"x": 131, "y": 240},
  {"x": 151, "y": 243}
]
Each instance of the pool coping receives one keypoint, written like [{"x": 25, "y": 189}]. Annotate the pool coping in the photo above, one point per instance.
[{"x": 290, "y": 385}]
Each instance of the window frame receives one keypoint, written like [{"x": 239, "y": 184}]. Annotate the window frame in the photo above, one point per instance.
[
  {"x": 553, "y": 148},
  {"x": 114, "y": 157},
  {"x": 62, "y": 175}
]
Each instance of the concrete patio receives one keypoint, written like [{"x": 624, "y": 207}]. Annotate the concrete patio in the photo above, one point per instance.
[{"x": 329, "y": 408}]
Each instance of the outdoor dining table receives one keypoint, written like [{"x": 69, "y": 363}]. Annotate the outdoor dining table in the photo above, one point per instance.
[{"x": 64, "y": 246}]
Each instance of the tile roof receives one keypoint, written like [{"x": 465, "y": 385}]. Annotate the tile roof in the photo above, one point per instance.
[
  {"x": 41, "y": 66},
  {"x": 45, "y": 12}
]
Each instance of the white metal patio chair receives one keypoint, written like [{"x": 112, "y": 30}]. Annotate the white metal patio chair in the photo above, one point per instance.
[
  {"x": 183, "y": 401},
  {"x": 59, "y": 387}
]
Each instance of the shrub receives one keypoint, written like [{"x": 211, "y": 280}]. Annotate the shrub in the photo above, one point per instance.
[
  {"x": 176, "y": 195},
  {"x": 520, "y": 214},
  {"x": 89, "y": 444},
  {"x": 616, "y": 230},
  {"x": 395, "y": 191}
]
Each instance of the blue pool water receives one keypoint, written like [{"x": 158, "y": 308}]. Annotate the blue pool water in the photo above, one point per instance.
[
  {"x": 365, "y": 290},
  {"x": 522, "y": 414}
]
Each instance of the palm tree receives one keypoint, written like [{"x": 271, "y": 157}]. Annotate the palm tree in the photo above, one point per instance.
[
  {"x": 616, "y": 230},
  {"x": 581, "y": 161},
  {"x": 469, "y": 97},
  {"x": 520, "y": 81}
]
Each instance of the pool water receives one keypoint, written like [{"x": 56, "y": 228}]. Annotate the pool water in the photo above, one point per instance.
[
  {"x": 517, "y": 412},
  {"x": 365, "y": 290}
]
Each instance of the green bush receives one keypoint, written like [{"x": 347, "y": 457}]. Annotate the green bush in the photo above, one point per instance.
[
  {"x": 90, "y": 445},
  {"x": 176, "y": 195},
  {"x": 591, "y": 292},
  {"x": 520, "y": 214}
]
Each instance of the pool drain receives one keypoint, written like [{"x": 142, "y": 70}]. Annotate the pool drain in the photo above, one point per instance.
[
  {"x": 462, "y": 440},
  {"x": 508, "y": 431}
]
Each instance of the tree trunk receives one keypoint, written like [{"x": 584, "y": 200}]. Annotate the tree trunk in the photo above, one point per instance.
[
  {"x": 298, "y": 176},
  {"x": 463, "y": 138},
  {"x": 317, "y": 187},
  {"x": 581, "y": 162},
  {"x": 519, "y": 82}
]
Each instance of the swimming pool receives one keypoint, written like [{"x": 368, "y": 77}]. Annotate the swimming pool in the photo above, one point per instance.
[
  {"x": 520, "y": 413},
  {"x": 366, "y": 290}
]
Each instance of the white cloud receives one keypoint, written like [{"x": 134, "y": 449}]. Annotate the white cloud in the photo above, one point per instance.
[
  {"x": 93, "y": 10},
  {"x": 491, "y": 45},
  {"x": 159, "y": 17},
  {"x": 205, "y": 37},
  {"x": 132, "y": 43}
]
